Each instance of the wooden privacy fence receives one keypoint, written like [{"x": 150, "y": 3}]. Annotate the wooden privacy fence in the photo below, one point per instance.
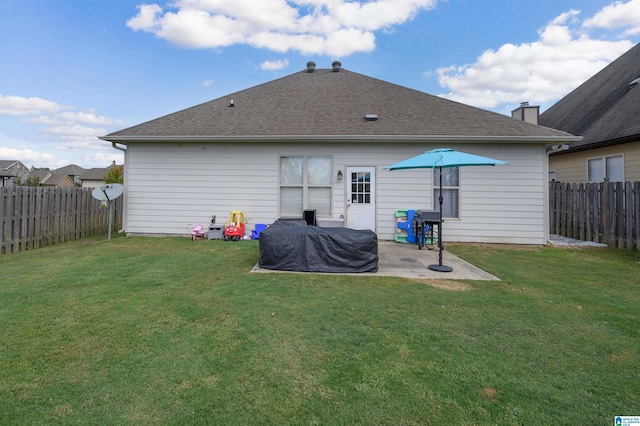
[
  {"x": 33, "y": 217},
  {"x": 607, "y": 212}
]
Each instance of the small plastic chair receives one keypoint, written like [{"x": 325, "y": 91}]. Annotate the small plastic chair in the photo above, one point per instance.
[{"x": 255, "y": 234}]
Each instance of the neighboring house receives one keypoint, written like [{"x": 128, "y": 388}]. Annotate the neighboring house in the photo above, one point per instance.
[
  {"x": 320, "y": 139},
  {"x": 12, "y": 169},
  {"x": 605, "y": 110},
  {"x": 94, "y": 178},
  {"x": 74, "y": 172},
  {"x": 53, "y": 179},
  {"x": 41, "y": 175}
]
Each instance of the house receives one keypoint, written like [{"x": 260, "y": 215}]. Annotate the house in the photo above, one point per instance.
[
  {"x": 40, "y": 175},
  {"x": 94, "y": 177},
  {"x": 10, "y": 170},
  {"x": 604, "y": 110},
  {"x": 319, "y": 139},
  {"x": 53, "y": 179},
  {"x": 73, "y": 171}
]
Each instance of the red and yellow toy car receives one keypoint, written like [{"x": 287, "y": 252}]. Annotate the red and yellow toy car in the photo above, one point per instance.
[{"x": 236, "y": 226}]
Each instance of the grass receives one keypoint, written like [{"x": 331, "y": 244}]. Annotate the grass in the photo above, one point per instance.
[{"x": 171, "y": 331}]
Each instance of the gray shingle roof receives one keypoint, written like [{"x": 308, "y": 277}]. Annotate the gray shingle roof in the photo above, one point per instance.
[
  {"x": 70, "y": 170},
  {"x": 604, "y": 109},
  {"x": 332, "y": 105},
  {"x": 96, "y": 173},
  {"x": 5, "y": 164}
]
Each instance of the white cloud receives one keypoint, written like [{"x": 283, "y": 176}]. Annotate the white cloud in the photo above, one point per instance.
[
  {"x": 618, "y": 15},
  {"x": 26, "y": 156},
  {"x": 104, "y": 158},
  {"x": 60, "y": 130},
  {"x": 17, "y": 105},
  {"x": 76, "y": 130},
  {"x": 274, "y": 65},
  {"x": 207, "y": 83},
  {"x": 542, "y": 71},
  {"x": 327, "y": 27},
  {"x": 89, "y": 117}
]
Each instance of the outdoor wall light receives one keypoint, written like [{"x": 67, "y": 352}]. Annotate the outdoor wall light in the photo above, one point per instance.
[{"x": 339, "y": 174}]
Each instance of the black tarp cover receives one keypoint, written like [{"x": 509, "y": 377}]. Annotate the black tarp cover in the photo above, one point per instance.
[{"x": 291, "y": 245}]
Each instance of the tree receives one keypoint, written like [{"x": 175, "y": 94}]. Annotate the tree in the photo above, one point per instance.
[
  {"x": 30, "y": 181},
  {"x": 114, "y": 174}
]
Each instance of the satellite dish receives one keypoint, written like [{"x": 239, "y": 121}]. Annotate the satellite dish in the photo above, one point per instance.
[{"x": 107, "y": 192}]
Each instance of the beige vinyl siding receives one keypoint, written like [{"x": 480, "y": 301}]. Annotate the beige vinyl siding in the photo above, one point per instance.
[
  {"x": 572, "y": 167},
  {"x": 171, "y": 187}
]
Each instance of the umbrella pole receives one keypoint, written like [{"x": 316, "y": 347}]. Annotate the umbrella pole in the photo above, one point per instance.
[{"x": 440, "y": 267}]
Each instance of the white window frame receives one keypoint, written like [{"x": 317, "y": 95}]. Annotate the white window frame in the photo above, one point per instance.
[{"x": 305, "y": 185}]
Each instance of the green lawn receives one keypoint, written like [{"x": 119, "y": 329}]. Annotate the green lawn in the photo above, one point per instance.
[{"x": 173, "y": 331}]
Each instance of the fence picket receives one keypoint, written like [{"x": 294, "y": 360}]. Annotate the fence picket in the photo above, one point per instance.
[
  {"x": 34, "y": 217},
  {"x": 635, "y": 208},
  {"x": 607, "y": 212}
]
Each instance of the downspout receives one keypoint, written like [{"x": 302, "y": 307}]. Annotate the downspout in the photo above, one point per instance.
[{"x": 113, "y": 144}]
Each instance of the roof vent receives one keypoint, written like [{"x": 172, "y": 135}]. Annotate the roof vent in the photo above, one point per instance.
[
  {"x": 635, "y": 82},
  {"x": 336, "y": 66},
  {"x": 311, "y": 66},
  {"x": 371, "y": 117},
  {"x": 231, "y": 104}
]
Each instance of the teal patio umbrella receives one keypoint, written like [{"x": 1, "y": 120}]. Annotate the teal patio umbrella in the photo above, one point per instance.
[{"x": 441, "y": 158}]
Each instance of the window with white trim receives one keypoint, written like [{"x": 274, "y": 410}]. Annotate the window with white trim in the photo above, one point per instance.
[
  {"x": 450, "y": 192},
  {"x": 609, "y": 168},
  {"x": 305, "y": 183}
]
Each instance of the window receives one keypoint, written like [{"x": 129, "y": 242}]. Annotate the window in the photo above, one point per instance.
[
  {"x": 305, "y": 183},
  {"x": 450, "y": 191},
  {"x": 610, "y": 168},
  {"x": 615, "y": 168},
  {"x": 361, "y": 188}
]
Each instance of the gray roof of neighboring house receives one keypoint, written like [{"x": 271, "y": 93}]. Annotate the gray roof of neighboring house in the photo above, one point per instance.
[
  {"x": 5, "y": 164},
  {"x": 70, "y": 170},
  {"x": 40, "y": 174},
  {"x": 329, "y": 105},
  {"x": 604, "y": 109},
  {"x": 57, "y": 179},
  {"x": 96, "y": 173}
]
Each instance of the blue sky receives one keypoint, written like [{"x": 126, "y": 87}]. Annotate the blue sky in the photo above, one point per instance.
[{"x": 72, "y": 70}]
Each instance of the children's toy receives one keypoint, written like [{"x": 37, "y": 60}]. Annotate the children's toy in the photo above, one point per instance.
[
  {"x": 236, "y": 226},
  {"x": 197, "y": 233},
  {"x": 255, "y": 234},
  {"x": 404, "y": 223}
]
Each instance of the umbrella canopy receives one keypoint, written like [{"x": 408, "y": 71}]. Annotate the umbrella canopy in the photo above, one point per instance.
[
  {"x": 444, "y": 157},
  {"x": 438, "y": 159}
]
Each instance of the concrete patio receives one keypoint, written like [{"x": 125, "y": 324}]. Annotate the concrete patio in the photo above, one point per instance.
[{"x": 406, "y": 261}]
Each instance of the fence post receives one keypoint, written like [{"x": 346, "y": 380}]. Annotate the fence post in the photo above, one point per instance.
[
  {"x": 628, "y": 215},
  {"x": 619, "y": 214},
  {"x": 635, "y": 208}
]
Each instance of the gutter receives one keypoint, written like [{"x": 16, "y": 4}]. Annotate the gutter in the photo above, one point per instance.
[{"x": 340, "y": 138}]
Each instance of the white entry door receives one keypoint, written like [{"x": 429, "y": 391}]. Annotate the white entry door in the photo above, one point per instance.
[{"x": 361, "y": 198}]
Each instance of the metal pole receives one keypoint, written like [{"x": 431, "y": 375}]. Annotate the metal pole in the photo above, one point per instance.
[
  {"x": 110, "y": 215},
  {"x": 440, "y": 267}
]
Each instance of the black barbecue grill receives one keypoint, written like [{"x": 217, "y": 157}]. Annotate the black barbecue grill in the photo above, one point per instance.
[{"x": 423, "y": 223}]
